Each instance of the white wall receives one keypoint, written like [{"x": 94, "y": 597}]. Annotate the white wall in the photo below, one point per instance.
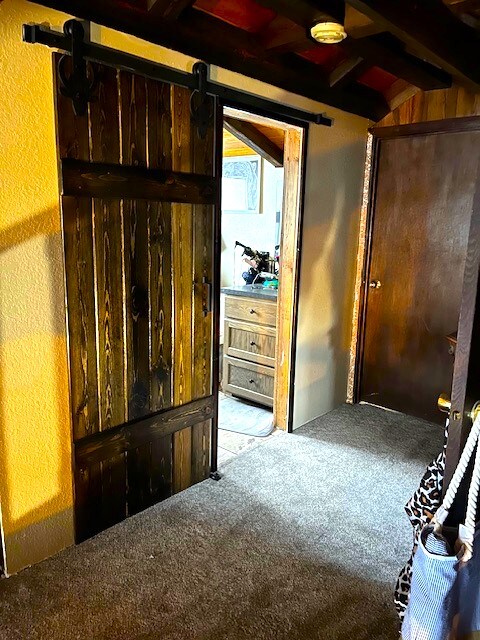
[
  {"x": 334, "y": 179},
  {"x": 256, "y": 230}
]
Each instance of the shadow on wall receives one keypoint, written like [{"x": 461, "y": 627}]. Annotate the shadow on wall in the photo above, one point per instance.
[
  {"x": 327, "y": 278},
  {"x": 35, "y": 470}
]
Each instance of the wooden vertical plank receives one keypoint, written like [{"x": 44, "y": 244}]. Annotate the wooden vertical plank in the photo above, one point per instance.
[
  {"x": 159, "y": 136},
  {"x": 161, "y": 474},
  {"x": 182, "y": 260},
  {"x": 288, "y": 266},
  {"x": 201, "y": 438},
  {"x": 160, "y": 277},
  {"x": 203, "y": 158},
  {"x": 108, "y": 250},
  {"x": 159, "y": 148},
  {"x": 73, "y": 142},
  {"x": 137, "y": 306},
  {"x": 104, "y": 125},
  {"x": 149, "y": 474},
  {"x": 105, "y": 147},
  {"x": 133, "y": 124},
  {"x": 114, "y": 491},
  {"x": 465, "y": 102},
  {"x": 160, "y": 287},
  {"x": 435, "y": 106},
  {"x": 88, "y": 501},
  {"x": 79, "y": 271},
  {"x": 72, "y": 130},
  {"x": 133, "y": 119}
]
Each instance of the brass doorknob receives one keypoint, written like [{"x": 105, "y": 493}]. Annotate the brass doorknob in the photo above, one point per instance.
[
  {"x": 374, "y": 284},
  {"x": 444, "y": 403}
]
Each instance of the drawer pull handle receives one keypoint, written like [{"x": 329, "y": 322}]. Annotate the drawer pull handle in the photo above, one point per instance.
[
  {"x": 251, "y": 381},
  {"x": 252, "y": 310},
  {"x": 252, "y": 343}
]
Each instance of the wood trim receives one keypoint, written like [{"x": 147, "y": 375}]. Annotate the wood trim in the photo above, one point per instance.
[
  {"x": 119, "y": 440},
  {"x": 217, "y": 276},
  {"x": 356, "y": 344},
  {"x": 288, "y": 283},
  {"x": 371, "y": 189},
  {"x": 296, "y": 285},
  {"x": 288, "y": 286},
  {"x": 256, "y": 117},
  {"x": 105, "y": 180},
  {"x": 255, "y": 139},
  {"x": 466, "y": 366},
  {"x": 449, "y": 125}
]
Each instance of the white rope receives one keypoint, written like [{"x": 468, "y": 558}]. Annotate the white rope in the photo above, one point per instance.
[
  {"x": 459, "y": 474},
  {"x": 462, "y": 465},
  {"x": 471, "y": 517}
]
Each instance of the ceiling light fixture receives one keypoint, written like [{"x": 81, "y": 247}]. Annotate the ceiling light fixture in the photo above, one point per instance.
[{"x": 328, "y": 32}]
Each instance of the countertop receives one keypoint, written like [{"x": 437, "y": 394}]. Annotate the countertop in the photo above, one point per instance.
[{"x": 247, "y": 291}]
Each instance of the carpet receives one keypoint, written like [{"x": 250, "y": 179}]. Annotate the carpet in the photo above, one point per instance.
[
  {"x": 302, "y": 538},
  {"x": 244, "y": 417}
]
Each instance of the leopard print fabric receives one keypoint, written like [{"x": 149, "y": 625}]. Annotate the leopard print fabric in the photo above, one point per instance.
[{"x": 420, "y": 510}]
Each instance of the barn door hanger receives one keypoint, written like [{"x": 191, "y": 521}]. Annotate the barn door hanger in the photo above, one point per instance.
[
  {"x": 79, "y": 84},
  {"x": 201, "y": 106}
]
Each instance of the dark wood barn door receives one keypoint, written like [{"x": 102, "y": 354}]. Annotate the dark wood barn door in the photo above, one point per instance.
[
  {"x": 138, "y": 201},
  {"x": 422, "y": 201}
]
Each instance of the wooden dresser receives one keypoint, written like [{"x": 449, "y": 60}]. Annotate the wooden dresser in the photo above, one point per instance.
[{"x": 249, "y": 343}]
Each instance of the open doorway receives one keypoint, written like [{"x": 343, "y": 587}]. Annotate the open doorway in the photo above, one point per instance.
[{"x": 260, "y": 224}]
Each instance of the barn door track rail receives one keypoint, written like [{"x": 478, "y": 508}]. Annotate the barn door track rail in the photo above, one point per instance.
[{"x": 79, "y": 85}]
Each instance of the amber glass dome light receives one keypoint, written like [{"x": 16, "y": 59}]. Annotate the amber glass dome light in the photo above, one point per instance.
[{"x": 328, "y": 32}]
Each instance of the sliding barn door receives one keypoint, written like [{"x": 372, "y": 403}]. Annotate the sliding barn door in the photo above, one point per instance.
[{"x": 138, "y": 201}]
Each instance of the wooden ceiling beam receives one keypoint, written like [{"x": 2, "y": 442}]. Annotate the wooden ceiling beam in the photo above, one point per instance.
[
  {"x": 255, "y": 139},
  {"x": 358, "y": 25},
  {"x": 168, "y": 9},
  {"x": 282, "y": 35},
  {"x": 201, "y": 36},
  {"x": 429, "y": 29},
  {"x": 306, "y": 12},
  {"x": 356, "y": 91},
  {"x": 348, "y": 71},
  {"x": 400, "y": 92},
  {"x": 397, "y": 62}
]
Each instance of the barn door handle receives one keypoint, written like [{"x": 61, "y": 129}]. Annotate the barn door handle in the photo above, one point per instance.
[{"x": 207, "y": 307}]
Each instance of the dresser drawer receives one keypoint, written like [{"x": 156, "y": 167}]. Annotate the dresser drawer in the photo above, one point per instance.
[
  {"x": 255, "y": 343},
  {"x": 251, "y": 310},
  {"x": 248, "y": 380}
]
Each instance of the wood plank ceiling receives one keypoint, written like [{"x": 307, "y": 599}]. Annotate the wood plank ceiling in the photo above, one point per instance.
[{"x": 393, "y": 49}]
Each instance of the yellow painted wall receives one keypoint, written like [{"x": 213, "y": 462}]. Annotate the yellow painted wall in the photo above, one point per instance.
[
  {"x": 35, "y": 445},
  {"x": 35, "y": 468}
]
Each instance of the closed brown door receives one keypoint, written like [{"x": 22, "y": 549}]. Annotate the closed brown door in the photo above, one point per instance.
[
  {"x": 421, "y": 210},
  {"x": 138, "y": 201}
]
